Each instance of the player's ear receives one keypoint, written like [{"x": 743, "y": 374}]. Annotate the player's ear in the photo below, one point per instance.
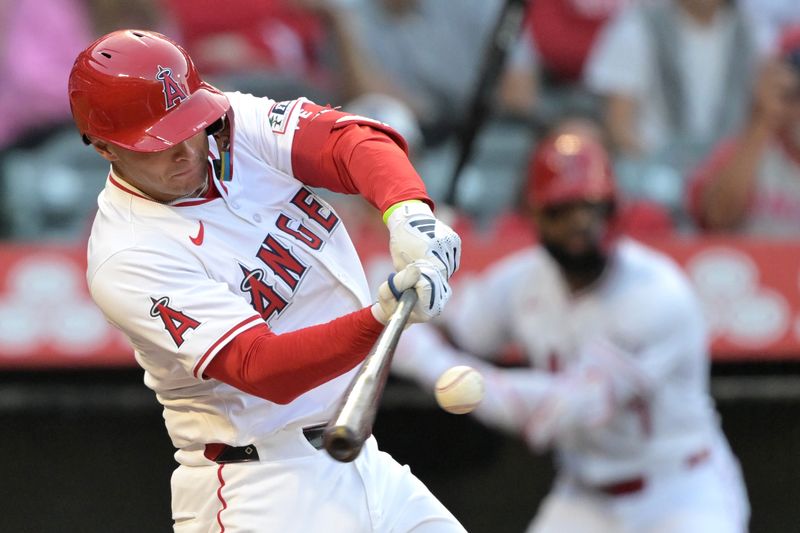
[{"x": 102, "y": 148}]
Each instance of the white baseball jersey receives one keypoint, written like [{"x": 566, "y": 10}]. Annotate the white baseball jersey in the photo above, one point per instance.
[
  {"x": 182, "y": 280},
  {"x": 639, "y": 423},
  {"x": 644, "y": 307}
]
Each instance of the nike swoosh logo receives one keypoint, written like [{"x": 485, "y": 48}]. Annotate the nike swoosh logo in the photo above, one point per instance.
[{"x": 197, "y": 241}]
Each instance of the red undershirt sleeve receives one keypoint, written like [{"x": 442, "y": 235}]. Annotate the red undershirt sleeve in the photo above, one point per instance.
[
  {"x": 348, "y": 154},
  {"x": 279, "y": 368}
]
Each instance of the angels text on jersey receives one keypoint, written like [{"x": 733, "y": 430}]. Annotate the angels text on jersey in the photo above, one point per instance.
[{"x": 276, "y": 256}]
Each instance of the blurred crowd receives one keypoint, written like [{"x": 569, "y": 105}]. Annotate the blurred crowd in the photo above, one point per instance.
[{"x": 698, "y": 101}]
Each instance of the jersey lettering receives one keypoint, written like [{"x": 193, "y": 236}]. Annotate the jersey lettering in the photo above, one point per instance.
[
  {"x": 173, "y": 93},
  {"x": 263, "y": 297},
  {"x": 175, "y": 322},
  {"x": 281, "y": 261},
  {"x": 302, "y": 233},
  {"x": 305, "y": 200}
]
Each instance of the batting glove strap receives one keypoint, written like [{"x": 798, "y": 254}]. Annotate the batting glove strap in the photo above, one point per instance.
[
  {"x": 415, "y": 233},
  {"x": 431, "y": 286}
]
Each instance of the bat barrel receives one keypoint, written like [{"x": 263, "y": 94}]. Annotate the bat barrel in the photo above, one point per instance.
[
  {"x": 352, "y": 425},
  {"x": 342, "y": 444}
]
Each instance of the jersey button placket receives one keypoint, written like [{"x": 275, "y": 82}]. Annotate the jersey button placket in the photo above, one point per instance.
[
  {"x": 236, "y": 208},
  {"x": 257, "y": 217}
]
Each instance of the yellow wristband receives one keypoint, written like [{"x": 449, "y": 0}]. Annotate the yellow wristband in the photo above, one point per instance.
[{"x": 392, "y": 208}]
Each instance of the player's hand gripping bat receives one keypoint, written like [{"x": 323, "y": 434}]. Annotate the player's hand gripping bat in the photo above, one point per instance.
[{"x": 346, "y": 432}]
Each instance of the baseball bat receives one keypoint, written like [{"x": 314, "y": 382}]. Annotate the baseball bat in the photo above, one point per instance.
[
  {"x": 349, "y": 428},
  {"x": 502, "y": 38}
]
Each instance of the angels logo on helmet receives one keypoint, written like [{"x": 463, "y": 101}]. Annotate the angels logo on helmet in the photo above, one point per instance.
[{"x": 173, "y": 93}]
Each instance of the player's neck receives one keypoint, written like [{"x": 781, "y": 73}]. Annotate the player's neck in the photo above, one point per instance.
[
  {"x": 154, "y": 195},
  {"x": 583, "y": 281},
  {"x": 580, "y": 271}
]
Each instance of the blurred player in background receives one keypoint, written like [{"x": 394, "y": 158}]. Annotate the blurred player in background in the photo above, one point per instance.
[
  {"x": 619, "y": 350},
  {"x": 240, "y": 290}
]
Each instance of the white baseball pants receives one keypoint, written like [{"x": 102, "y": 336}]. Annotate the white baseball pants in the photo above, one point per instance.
[
  {"x": 708, "y": 498},
  {"x": 306, "y": 492}
]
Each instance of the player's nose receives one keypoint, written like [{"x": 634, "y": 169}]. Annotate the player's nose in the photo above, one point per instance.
[{"x": 581, "y": 218}]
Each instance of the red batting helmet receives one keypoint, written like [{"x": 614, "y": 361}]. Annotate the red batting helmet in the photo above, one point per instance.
[
  {"x": 140, "y": 90},
  {"x": 569, "y": 167}
]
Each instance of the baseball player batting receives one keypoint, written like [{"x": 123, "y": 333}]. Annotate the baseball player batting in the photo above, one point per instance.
[
  {"x": 619, "y": 350},
  {"x": 240, "y": 290}
]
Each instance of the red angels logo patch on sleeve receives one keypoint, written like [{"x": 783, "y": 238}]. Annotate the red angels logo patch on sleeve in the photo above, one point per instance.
[
  {"x": 173, "y": 92},
  {"x": 175, "y": 322}
]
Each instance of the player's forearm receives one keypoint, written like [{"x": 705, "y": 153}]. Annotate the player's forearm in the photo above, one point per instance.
[
  {"x": 728, "y": 194},
  {"x": 279, "y": 368},
  {"x": 621, "y": 123}
]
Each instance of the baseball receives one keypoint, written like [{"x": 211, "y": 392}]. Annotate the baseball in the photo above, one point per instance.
[{"x": 459, "y": 389}]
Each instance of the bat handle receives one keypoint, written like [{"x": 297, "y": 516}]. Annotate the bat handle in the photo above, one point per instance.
[{"x": 352, "y": 425}]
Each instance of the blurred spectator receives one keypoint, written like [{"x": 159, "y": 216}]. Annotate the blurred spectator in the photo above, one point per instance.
[
  {"x": 110, "y": 15},
  {"x": 751, "y": 182},
  {"x": 774, "y": 15},
  {"x": 430, "y": 52},
  {"x": 672, "y": 68},
  {"x": 563, "y": 32},
  {"x": 277, "y": 48},
  {"x": 248, "y": 35},
  {"x": 38, "y": 41},
  {"x": 356, "y": 75},
  {"x": 676, "y": 76},
  {"x": 519, "y": 87},
  {"x": 39, "y": 147},
  {"x": 556, "y": 39}
]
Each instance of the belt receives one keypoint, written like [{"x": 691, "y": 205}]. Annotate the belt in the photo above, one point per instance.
[
  {"x": 637, "y": 484},
  {"x": 621, "y": 488},
  {"x": 225, "y": 453}
]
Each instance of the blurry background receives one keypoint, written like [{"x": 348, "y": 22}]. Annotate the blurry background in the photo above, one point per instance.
[{"x": 699, "y": 100}]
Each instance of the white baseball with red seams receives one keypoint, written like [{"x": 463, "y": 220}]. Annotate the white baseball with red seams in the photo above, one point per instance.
[{"x": 459, "y": 389}]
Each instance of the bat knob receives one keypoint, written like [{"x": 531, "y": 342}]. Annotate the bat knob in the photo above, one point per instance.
[{"x": 342, "y": 443}]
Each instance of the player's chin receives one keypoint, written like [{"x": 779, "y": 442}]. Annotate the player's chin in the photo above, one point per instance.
[
  {"x": 578, "y": 246},
  {"x": 188, "y": 181}
]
